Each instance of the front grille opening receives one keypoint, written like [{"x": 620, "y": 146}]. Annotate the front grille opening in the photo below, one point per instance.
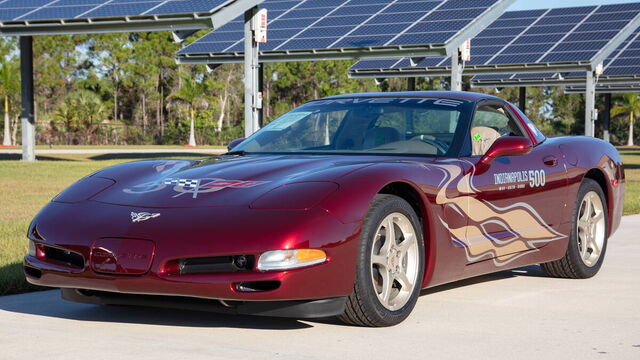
[
  {"x": 211, "y": 265},
  {"x": 257, "y": 286},
  {"x": 67, "y": 257},
  {"x": 32, "y": 272}
]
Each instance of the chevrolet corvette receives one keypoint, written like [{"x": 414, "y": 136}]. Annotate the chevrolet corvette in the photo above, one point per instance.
[{"x": 347, "y": 206}]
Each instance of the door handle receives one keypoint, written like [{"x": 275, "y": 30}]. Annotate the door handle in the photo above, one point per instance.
[{"x": 550, "y": 160}]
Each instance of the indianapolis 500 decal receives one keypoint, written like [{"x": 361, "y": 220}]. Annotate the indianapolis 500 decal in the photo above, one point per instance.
[{"x": 527, "y": 227}]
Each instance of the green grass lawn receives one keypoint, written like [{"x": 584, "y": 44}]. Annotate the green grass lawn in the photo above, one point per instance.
[
  {"x": 27, "y": 187},
  {"x": 123, "y": 147},
  {"x": 631, "y": 159}
]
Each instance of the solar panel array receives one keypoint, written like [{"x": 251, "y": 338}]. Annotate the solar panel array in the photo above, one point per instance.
[
  {"x": 32, "y": 10},
  {"x": 562, "y": 35},
  {"x": 607, "y": 88},
  {"x": 322, "y": 24},
  {"x": 624, "y": 62}
]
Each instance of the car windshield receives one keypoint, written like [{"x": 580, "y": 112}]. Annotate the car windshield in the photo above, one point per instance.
[{"x": 380, "y": 125}]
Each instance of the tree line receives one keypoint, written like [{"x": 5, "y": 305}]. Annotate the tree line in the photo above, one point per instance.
[{"x": 126, "y": 89}]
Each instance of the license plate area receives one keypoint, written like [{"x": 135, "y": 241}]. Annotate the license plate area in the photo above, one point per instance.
[{"x": 122, "y": 256}]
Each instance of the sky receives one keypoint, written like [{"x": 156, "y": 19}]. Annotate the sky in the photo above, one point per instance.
[{"x": 546, "y": 4}]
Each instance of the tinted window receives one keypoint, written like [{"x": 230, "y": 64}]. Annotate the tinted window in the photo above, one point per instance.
[
  {"x": 491, "y": 122},
  {"x": 420, "y": 126}
]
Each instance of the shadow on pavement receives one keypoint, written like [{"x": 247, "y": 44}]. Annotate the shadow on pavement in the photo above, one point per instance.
[
  {"x": 533, "y": 270},
  {"x": 49, "y": 303},
  {"x": 16, "y": 157}
]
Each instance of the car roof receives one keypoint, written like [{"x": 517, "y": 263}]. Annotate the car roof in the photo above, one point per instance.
[{"x": 460, "y": 95}]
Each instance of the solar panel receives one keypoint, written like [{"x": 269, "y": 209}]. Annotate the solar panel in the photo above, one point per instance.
[
  {"x": 25, "y": 10},
  {"x": 347, "y": 24},
  {"x": 551, "y": 37},
  {"x": 622, "y": 65},
  {"x": 607, "y": 88},
  {"x": 51, "y": 17}
]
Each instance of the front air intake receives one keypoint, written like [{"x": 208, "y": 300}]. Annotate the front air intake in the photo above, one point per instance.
[
  {"x": 67, "y": 257},
  {"x": 211, "y": 265},
  {"x": 257, "y": 286}
]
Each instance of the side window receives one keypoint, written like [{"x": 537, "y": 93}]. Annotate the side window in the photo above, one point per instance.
[{"x": 490, "y": 123}]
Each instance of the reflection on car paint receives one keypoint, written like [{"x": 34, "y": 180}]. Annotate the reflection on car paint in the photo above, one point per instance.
[{"x": 192, "y": 186}]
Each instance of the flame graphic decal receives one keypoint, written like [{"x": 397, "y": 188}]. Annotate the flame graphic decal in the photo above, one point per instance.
[{"x": 528, "y": 228}]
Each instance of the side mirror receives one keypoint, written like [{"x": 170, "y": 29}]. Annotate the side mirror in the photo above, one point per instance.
[
  {"x": 234, "y": 143},
  {"x": 508, "y": 146}
]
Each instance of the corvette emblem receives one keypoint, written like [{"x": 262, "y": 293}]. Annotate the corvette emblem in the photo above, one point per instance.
[
  {"x": 193, "y": 187},
  {"x": 143, "y": 216}
]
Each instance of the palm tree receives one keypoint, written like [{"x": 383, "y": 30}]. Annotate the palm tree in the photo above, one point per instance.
[
  {"x": 8, "y": 88},
  {"x": 191, "y": 94},
  {"x": 630, "y": 105},
  {"x": 83, "y": 111}
]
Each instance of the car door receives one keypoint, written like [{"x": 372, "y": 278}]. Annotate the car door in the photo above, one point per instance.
[{"x": 516, "y": 202}]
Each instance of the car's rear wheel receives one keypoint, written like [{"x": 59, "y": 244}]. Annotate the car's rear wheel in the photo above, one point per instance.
[
  {"x": 588, "y": 242},
  {"x": 390, "y": 265}
]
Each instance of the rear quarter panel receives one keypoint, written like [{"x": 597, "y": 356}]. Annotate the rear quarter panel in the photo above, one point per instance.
[{"x": 584, "y": 155}]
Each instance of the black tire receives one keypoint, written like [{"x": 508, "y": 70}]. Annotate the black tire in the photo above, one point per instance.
[
  {"x": 363, "y": 307},
  {"x": 571, "y": 265}
]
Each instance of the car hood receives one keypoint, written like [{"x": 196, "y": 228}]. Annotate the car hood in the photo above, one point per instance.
[{"x": 219, "y": 181}]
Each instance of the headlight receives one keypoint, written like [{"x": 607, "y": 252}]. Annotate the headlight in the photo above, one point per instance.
[
  {"x": 84, "y": 189},
  {"x": 295, "y": 196},
  {"x": 32, "y": 248},
  {"x": 290, "y": 259}
]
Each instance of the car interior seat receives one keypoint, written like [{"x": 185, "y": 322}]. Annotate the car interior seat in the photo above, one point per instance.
[
  {"x": 482, "y": 138},
  {"x": 379, "y": 136}
]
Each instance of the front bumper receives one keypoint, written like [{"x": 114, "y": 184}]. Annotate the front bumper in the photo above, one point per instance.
[
  {"x": 194, "y": 233},
  {"x": 300, "y": 309}
]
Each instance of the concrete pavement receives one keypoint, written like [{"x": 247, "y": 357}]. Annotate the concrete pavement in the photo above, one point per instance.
[{"x": 518, "y": 314}]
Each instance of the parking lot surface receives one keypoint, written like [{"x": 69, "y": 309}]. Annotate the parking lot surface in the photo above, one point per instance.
[{"x": 519, "y": 314}]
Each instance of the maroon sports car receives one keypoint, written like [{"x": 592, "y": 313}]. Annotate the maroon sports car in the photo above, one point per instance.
[{"x": 347, "y": 206}]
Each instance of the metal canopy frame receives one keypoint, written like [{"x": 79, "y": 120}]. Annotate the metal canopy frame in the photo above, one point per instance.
[
  {"x": 553, "y": 81},
  {"x": 607, "y": 89},
  {"x": 451, "y": 48},
  {"x": 181, "y": 25},
  {"x": 169, "y": 22},
  {"x": 421, "y": 50},
  {"x": 495, "y": 69},
  {"x": 589, "y": 67}
]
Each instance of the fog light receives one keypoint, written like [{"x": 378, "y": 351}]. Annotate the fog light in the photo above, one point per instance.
[{"x": 290, "y": 259}]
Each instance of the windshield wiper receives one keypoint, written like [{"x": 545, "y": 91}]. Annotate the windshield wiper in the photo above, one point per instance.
[{"x": 238, "y": 153}]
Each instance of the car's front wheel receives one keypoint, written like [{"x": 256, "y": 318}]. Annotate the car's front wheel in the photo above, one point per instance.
[
  {"x": 390, "y": 265},
  {"x": 588, "y": 241}
]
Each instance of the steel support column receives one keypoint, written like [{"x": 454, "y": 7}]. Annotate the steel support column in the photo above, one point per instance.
[
  {"x": 606, "y": 118},
  {"x": 522, "y": 99},
  {"x": 251, "y": 66},
  {"x": 411, "y": 84},
  {"x": 261, "y": 93},
  {"x": 28, "y": 104},
  {"x": 590, "y": 105},
  {"x": 456, "y": 71}
]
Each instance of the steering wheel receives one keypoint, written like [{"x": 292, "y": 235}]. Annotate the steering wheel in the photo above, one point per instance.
[{"x": 431, "y": 140}]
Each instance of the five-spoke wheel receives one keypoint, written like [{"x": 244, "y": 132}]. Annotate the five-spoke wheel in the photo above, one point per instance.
[
  {"x": 390, "y": 265},
  {"x": 588, "y": 240},
  {"x": 394, "y": 261},
  {"x": 591, "y": 228}
]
